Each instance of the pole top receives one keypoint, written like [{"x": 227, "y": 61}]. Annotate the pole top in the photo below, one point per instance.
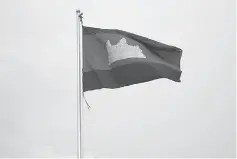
[
  {"x": 78, "y": 11},
  {"x": 79, "y": 14}
]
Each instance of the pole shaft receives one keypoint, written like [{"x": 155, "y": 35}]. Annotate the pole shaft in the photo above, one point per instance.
[{"x": 79, "y": 86}]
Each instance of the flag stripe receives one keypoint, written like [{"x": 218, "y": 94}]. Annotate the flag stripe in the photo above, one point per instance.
[
  {"x": 128, "y": 72},
  {"x": 169, "y": 53}
]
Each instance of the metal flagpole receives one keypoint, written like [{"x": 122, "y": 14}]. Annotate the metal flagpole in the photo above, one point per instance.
[{"x": 79, "y": 85}]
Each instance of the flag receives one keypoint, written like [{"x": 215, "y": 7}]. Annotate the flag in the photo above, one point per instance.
[{"x": 114, "y": 58}]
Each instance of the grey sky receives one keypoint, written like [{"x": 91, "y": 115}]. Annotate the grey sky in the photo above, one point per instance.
[{"x": 194, "y": 118}]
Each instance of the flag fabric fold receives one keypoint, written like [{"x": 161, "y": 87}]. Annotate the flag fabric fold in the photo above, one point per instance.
[{"x": 114, "y": 58}]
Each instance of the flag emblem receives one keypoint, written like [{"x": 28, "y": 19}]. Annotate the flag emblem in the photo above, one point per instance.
[{"x": 122, "y": 51}]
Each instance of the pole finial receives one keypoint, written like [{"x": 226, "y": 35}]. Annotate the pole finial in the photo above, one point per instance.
[
  {"x": 80, "y": 15},
  {"x": 78, "y": 11}
]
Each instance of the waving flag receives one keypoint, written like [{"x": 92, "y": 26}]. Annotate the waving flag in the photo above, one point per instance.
[{"x": 115, "y": 58}]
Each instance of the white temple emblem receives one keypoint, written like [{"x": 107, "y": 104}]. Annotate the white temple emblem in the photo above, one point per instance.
[{"x": 123, "y": 51}]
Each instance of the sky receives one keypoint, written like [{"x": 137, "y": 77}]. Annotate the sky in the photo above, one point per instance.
[{"x": 161, "y": 118}]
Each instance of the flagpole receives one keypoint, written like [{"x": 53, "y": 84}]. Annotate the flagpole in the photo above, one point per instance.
[{"x": 79, "y": 85}]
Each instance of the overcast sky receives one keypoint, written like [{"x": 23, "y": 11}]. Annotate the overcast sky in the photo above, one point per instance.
[{"x": 162, "y": 118}]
